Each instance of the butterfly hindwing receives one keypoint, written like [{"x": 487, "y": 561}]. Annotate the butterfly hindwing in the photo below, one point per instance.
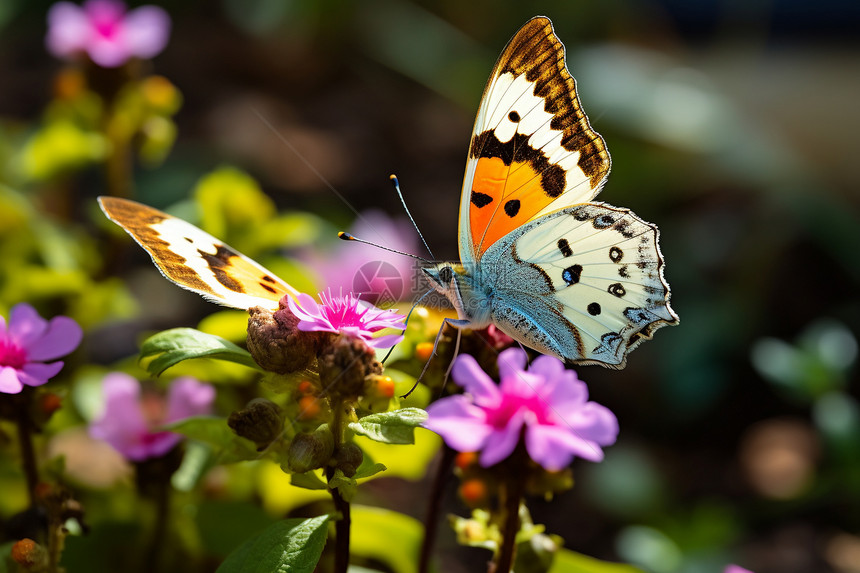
[
  {"x": 587, "y": 279},
  {"x": 195, "y": 260},
  {"x": 533, "y": 150}
]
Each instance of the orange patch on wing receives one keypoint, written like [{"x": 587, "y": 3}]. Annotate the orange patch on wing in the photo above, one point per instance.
[{"x": 503, "y": 198}]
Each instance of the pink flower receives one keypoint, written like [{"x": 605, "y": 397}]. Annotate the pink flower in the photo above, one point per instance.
[
  {"x": 347, "y": 315},
  {"x": 736, "y": 569},
  {"x": 546, "y": 406},
  {"x": 106, "y": 32},
  {"x": 30, "y": 340},
  {"x": 130, "y": 419}
]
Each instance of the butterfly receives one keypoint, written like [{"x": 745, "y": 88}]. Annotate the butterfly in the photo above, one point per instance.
[
  {"x": 576, "y": 279},
  {"x": 573, "y": 278}
]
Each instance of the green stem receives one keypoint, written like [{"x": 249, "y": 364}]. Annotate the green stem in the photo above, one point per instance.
[
  {"x": 342, "y": 526},
  {"x": 25, "y": 442},
  {"x": 434, "y": 503},
  {"x": 513, "y": 491}
]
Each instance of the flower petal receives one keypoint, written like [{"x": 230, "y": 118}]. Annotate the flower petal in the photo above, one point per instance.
[
  {"x": 38, "y": 374},
  {"x": 108, "y": 52},
  {"x": 9, "y": 383},
  {"x": 68, "y": 29},
  {"x": 25, "y": 324},
  {"x": 501, "y": 443},
  {"x": 511, "y": 362},
  {"x": 188, "y": 397},
  {"x": 386, "y": 341},
  {"x": 122, "y": 424},
  {"x": 468, "y": 374},
  {"x": 595, "y": 422},
  {"x": 554, "y": 447},
  {"x": 145, "y": 31},
  {"x": 61, "y": 337},
  {"x": 460, "y": 423}
]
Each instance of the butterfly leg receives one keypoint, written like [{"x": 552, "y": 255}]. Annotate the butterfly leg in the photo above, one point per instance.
[{"x": 456, "y": 323}]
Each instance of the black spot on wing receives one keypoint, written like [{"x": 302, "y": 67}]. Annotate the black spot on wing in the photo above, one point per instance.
[
  {"x": 512, "y": 207},
  {"x": 564, "y": 247},
  {"x": 571, "y": 274},
  {"x": 615, "y": 254},
  {"x": 594, "y": 309},
  {"x": 480, "y": 199},
  {"x": 514, "y": 117},
  {"x": 552, "y": 177},
  {"x": 617, "y": 289},
  {"x": 268, "y": 288}
]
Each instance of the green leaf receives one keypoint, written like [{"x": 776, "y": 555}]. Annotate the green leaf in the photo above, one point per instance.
[
  {"x": 346, "y": 485},
  {"x": 370, "y": 470},
  {"x": 395, "y": 427},
  {"x": 292, "y": 545},
  {"x": 171, "y": 347},
  {"x": 308, "y": 480},
  {"x": 567, "y": 561},
  {"x": 229, "y": 448},
  {"x": 387, "y": 537}
]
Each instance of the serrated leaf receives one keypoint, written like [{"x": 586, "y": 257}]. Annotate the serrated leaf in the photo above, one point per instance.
[
  {"x": 292, "y": 545},
  {"x": 395, "y": 427},
  {"x": 307, "y": 480},
  {"x": 229, "y": 448},
  {"x": 171, "y": 347}
]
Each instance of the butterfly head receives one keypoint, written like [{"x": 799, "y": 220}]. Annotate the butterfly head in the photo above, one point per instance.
[{"x": 458, "y": 285}]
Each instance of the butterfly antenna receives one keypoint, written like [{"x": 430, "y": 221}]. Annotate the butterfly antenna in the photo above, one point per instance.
[
  {"x": 408, "y": 214},
  {"x": 343, "y": 235}
]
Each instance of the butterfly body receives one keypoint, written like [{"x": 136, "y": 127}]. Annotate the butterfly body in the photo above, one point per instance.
[{"x": 576, "y": 279}]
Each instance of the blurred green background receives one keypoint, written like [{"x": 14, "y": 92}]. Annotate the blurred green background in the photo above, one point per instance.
[{"x": 732, "y": 125}]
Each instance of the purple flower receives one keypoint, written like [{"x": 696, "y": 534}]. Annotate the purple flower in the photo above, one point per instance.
[
  {"x": 347, "y": 315},
  {"x": 130, "y": 419},
  {"x": 28, "y": 341},
  {"x": 736, "y": 569},
  {"x": 106, "y": 31},
  {"x": 546, "y": 405}
]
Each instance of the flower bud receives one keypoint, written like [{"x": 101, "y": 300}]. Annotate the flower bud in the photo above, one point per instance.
[
  {"x": 345, "y": 363},
  {"x": 310, "y": 451},
  {"x": 348, "y": 458},
  {"x": 277, "y": 344},
  {"x": 261, "y": 421},
  {"x": 30, "y": 555}
]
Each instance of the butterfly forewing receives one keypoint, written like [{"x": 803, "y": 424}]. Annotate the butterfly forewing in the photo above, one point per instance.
[
  {"x": 195, "y": 260},
  {"x": 532, "y": 150}
]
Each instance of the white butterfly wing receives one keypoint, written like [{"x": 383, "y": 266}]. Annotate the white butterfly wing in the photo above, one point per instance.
[
  {"x": 584, "y": 283},
  {"x": 195, "y": 260}
]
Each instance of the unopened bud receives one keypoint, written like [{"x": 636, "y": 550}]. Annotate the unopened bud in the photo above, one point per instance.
[
  {"x": 260, "y": 421},
  {"x": 345, "y": 363},
  {"x": 474, "y": 492},
  {"x": 29, "y": 555},
  {"x": 348, "y": 458},
  {"x": 311, "y": 451},
  {"x": 277, "y": 344}
]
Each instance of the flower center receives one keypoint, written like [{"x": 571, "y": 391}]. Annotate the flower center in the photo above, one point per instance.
[
  {"x": 106, "y": 18},
  {"x": 12, "y": 355},
  {"x": 154, "y": 409},
  {"x": 500, "y": 416}
]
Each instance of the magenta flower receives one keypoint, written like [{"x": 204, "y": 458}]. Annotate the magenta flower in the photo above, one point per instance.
[
  {"x": 105, "y": 31},
  {"x": 347, "y": 315},
  {"x": 28, "y": 341},
  {"x": 131, "y": 418},
  {"x": 736, "y": 569},
  {"x": 547, "y": 406}
]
